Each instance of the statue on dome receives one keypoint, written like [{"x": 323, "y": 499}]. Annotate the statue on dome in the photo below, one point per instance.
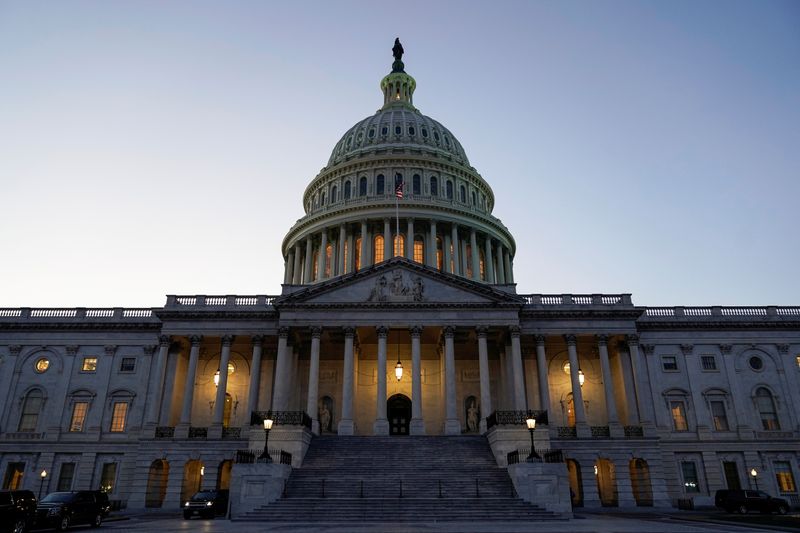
[{"x": 397, "y": 49}]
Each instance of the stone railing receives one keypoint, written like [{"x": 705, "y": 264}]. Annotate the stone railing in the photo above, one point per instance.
[
  {"x": 548, "y": 300},
  {"x": 230, "y": 301},
  {"x": 717, "y": 312},
  {"x": 110, "y": 314}
]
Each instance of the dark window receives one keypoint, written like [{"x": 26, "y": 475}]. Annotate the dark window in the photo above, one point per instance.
[
  {"x": 434, "y": 186},
  {"x": 424, "y": 133},
  {"x": 756, "y": 363},
  {"x": 334, "y": 190},
  {"x": 346, "y": 190},
  {"x": 463, "y": 195},
  {"x": 384, "y": 130},
  {"x": 474, "y": 202},
  {"x": 449, "y": 190},
  {"x": 362, "y": 186},
  {"x": 417, "y": 184},
  {"x": 379, "y": 184},
  {"x": 436, "y": 135},
  {"x": 766, "y": 409},
  {"x": 411, "y": 131},
  {"x": 690, "y": 481},
  {"x": 65, "y": 476},
  {"x": 709, "y": 362},
  {"x": 371, "y": 133},
  {"x": 669, "y": 363},
  {"x": 719, "y": 415},
  {"x": 30, "y": 411},
  {"x": 322, "y": 198},
  {"x": 398, "y": 130},
  {"x": 128, "y": 364}
]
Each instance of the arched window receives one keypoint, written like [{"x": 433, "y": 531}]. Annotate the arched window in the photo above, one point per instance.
[
  {"x": 398, "y": 180},
  {"x": 399, "y": 245},
  {"x": 192, "y": 478},
  {"x": 434, "y": 186},
  {"x": 333, "y": 193},
  {"x": 31, "y": 407},
  {"x": 346, "y": 190},
  {"x": 357, "y": 256},
  {"x": 362, "y": 186},
  {"x": 315, "y": 265},
  {"x": 482, "y": 263},
  {"x": 226, "y": 411},
  {"x": 378, "y": 249},
  {"x": 439, "y": 253},
  {"x": 575, "y": 482},
  {"x": 322, "y": 198},
  {"x": 419, "y": 250},
  {"x": 474, "y": 202},
  {"x": 468, "y": 260},
  {"x": 766, "y": 409},
  {"x": 346, "y": 256},
  {"x": 379, "y": 184},
  {"x": 449, "y": 190},
  {"x": 417, "y": 184},
  {"x": 463, "y": 192},
  {"x": 328, "y": 260}
]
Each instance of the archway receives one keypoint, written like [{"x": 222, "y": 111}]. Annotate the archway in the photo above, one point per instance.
[
  {"x": 640, "y": 483},
  {"x": 575, "y": 482},
  {"x": 224, "y": 475},
  {"x": 606, "y": 482},
  {"x": 157, "y": 483},
  {"x": 192, "y": 479},
  {"x": 398, "y": 410}
]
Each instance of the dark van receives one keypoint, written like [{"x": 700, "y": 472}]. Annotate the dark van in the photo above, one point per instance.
[{"x": 742, "y": 501}]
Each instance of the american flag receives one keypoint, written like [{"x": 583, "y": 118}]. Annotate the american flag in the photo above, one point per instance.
[{"x": 399, "y": 190}]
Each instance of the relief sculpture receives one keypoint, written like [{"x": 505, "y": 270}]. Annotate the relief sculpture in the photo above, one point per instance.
[{"x": 401, "y": 289}]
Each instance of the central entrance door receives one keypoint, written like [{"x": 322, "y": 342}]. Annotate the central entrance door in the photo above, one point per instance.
[{"x": 398, "y": 410}]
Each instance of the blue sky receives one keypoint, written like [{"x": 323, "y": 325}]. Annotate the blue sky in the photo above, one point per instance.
[{"x": 648, "y": 147}]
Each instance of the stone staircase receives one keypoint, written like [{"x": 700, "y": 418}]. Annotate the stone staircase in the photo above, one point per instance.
[{"x": 399, "y": 479}]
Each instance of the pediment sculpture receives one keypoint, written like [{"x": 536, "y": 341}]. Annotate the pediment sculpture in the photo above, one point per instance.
[{"x": 401, "y": 288}]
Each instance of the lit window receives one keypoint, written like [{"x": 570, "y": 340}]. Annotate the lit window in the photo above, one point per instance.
[
  {"x": 784, "y": 476},
  {"x": 719, "y": 415},
  {"x": 709, "y": 362},
  {"x": 766, "y": 409},
  {"x": 678, "y": 411},
  {"x": 482, "y": 265},
  {"x": 419, "y": 251},
  {"x": 690, "y": 481},
  {"x": 399, "y": 245},
  {"x": 78, "y": 416},
  {"x": 128, "y": 364},
  {"x": 797, "y": 359},
  {"x": 439, "y": 253},
  {"x": 378, "y": 255},
  {"x": 315, "y": 265},
  {"x": 328, "y": 257},
  {"x": 669, "y": 363},
  {"x": 108, "y": 477},
  {"x": 346, "y": 256},
  {"x": 89, "y": 364},
  {"x": 357, "y": 254},
  {"x": 42, "y": 364},
  {"x": 118, "y": 415},
  {"x": 468, "y": 257}
]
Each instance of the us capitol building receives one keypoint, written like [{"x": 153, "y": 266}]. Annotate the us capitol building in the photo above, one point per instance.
[{"x": 399, "y": 317}]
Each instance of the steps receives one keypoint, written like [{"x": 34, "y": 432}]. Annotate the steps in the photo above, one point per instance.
[{"x": 399, "y": 479}]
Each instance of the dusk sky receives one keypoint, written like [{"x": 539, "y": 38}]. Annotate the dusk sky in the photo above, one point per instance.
[{"x": 151, "y": 148}]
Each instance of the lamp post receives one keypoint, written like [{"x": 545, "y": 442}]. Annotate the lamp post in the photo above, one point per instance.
[
  {"x": 754, "y": 475},
  {"x": 42, "y": 476},
  {"x": 265, "y": 453},
  {"x": 531, "y": 422}
]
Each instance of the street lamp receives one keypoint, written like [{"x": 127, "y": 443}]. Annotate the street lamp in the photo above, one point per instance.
[
  {"x": 531, "y": 422},
  {"x": 42, "y": 476},
  {"x": 754, "y": 474},
  {"x": 265, "y": 453}
]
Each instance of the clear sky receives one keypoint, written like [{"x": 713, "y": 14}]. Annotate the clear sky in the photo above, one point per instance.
[{"x": 149, "y": 148}]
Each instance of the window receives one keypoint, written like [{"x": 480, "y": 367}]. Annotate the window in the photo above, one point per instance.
[
  {"x": 379, "y": 184},
  {"x": 346, "y": 256},
  {"x": 378, "y": 250},
  {"x": 128, "y": 364},
  {"x": 474, "y": 202},
  {"x": 424, "y": 133},
  {"x": 315, "y": 265},
  {"x": 784, "y": 477},
  {"x": 118, "y": 415},
  {"x": 384, "y": 130},
  {"x": 89, "y": 364},
  {"x": 756, "y": 363},
  {"x": 439, "y": 253},
  {"x": 30, "y": 411},
  {"x": 79, "y": 410},
  {"x": 357, "y": 254},
  {"x": 411, "y": 131},
  {"x": 398, "y": 180},
  {"x": 434, "y": 186},
  {"x": 463, "y": 192},
  {"x": 449, "y": 190},
  {"x": 417, "y": 184},
  {"x": 328, "y": 260},
  {"x": 13, "y": 478},
  {"x": 719, "y": 415},
  {"x": 766, "y": 409},
  {"x": 108, "y": 477},
  {"x": 362, "y": 186},
  {"x": 65, "y": 476},
  {"x": 436, "y": 135},
  {"x": 347, "y": 188},
  {"x": 669, "y": 363},
  {"x": 41, "y": 365},
  {"x": 482, "y": 265},
  {"x": 399, "y": 245},
  {"x": 678, "y": 410},
  {"x": 322, "y": 198},
  {"x": 419, "y": 251},
  {"x": 797, "y": 359},
  {"x": 468, "y": 258},
  {"x": 334, "y": 192},
  {"x": 371, "y": 133},
  {"x": 690, "y": 481},
  {"x": 709, "y": 362}
]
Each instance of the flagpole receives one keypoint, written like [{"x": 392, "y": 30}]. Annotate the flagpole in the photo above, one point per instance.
[{"x": 397, "y": 213}]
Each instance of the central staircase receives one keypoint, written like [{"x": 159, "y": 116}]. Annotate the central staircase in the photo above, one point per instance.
[{"x": 399, "y": 479}]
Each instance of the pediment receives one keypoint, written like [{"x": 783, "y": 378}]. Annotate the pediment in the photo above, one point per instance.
[{"x": 399, "y": 282}]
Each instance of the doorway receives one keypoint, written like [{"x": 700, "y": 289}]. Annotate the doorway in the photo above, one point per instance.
[
  {"x": 731, "y": 470},
  {"x": 398, "y": 410}
]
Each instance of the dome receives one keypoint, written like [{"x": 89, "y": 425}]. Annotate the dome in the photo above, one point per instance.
[{"x": 397, "y": 126}]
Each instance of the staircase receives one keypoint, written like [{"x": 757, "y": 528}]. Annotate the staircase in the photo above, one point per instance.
[{"x": 399, "y": 479}]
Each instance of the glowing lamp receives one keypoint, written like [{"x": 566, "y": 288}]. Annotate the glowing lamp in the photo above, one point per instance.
[{"x": 398, "y": 370}]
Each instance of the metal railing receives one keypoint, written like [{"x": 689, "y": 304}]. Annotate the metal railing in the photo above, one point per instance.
[
  {"x": 249, "y": 457},
  {"x": 165, "y": 432},
  {"x": 567, "y": 432},
  {"x": 546, "y": 456},
  {"x": 633, "y": 431},
  {"x": 198, "y": 433},
  {"x": 515, "y": 418},
  {"x": 281, "y": 418}
]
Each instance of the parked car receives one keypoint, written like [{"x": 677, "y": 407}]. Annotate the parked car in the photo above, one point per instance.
[
  {"x": 17, "y": 510},
  {"x": 742, "y": 501},
  {"x": 63, "y": 509},
  {"x": 206, "y": 504}
]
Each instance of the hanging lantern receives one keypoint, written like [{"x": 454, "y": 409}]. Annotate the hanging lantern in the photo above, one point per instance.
[
  {"x": 398, "y": 370},
  {"x": 581, "y": 377},
  {"x": 216, "y": 378}
]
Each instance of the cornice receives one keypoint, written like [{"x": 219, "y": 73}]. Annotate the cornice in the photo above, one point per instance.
[
  {"x": 217, "y": 314},
  {"x": 71, "y": 326},
  {"x": 727, "y": 325}
]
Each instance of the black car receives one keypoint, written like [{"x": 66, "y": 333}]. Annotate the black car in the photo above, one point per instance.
[
  {"x": 62, "y": 509},
  {"x": 206, "y": 504},
  {"x": 742, "y": 501},
  {"x": 17, "y": 510}
]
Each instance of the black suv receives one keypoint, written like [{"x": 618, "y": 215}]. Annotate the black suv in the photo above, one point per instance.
[
  {"x": 17, "y": 510},
  {"x": 749, "y": 500},
  {"x": 206, "y": 504},
  {"x": 62, "y": 509}
]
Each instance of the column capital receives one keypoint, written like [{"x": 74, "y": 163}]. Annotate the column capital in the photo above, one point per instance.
[
  {"x": 602, "y": 339},
  {"x": 382, "y": 331},
  {"x": 283, "y": 331},
  {"x": 648, "y": 349},
  {"x": 164, "y": 340},
  {"x": 195, "y": 339},
  {"x": 633, "y": 340},
  {"x": 349, "y": 331},
  {"x": 571, "y": 339},
  {"x": 227, "y": 340},
  {"x": 687, "y": 349},
  {"x": 257, "y": 340},
  {"x": 72, "y": 349},
  {"x": 449, "y": 331},
  {"x": 725, "y": 349},
  {"x": 783, "y": 349},
  {"x": 14, "y": 349},
  {"x": 416, "y": 331},
  {"x": 149, "y": 349},
  {"x": 540, "y": 339},
  {"x": 316, "y": 332},
  {"x": 514, "y": 330},
  {"x": 481, "y": 331}
]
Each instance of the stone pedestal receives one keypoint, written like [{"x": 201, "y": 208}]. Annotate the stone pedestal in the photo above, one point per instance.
[
  {"x": 452, "y": 427},
  {"x": 256, "y": 485},
  {"x": 417, "y": 427},
  {"x": 543, "y": 484},
  {"x": 506, "y": 439},
  {"x": 292, "y": 439},
  {"x": 380, "y": 427},
  {"x": 346, "y": 427}
]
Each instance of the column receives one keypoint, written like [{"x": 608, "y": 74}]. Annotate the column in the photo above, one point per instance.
[
  {"x": 346, "y": 426},
  {"x": 464, "y": 257},
  {"x": 323, "y": 256},
  {"x": 581, "y": 427},
  {"x": 447, "y": 255},
  {"x": 487, "y": 260},
  {"x": 501, "y": 270},
  {"x": 608, "y": 388},
  {"x": 640, "y": 382},
  {"x": 507, "y": 264},
  {"x": 188, "y": 391},
  {"x": 541, "y": 370},
  {"x": 313, "y": 380},
  {"x": 157, "y": 383},
  {"x": 451, "y": 424},
  {"x": 483, "y": 362},
  {"x": 340, "y": 255},
  {"x": 410, "y": 239},
  {"x": 454, "y": 243},
  {"x": 219, "y": 403},
  {"x": 296, "y": 279},
  {"x": 364, "y": 243},
  {"x": 381, "y": 424},
  {"x": 388, "y": 244},
  {"x": 308, "y": 271},
  {"x": 280, "y": 394},
  {"x": 520, "y": 403},
  {"x": 417, "y": 424},
  {"x": 433, "y": 256},
  {"x": 287, "y": 278},
  {"x": 257, "y": 342},
  {"x": 476, "y": 259}
]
